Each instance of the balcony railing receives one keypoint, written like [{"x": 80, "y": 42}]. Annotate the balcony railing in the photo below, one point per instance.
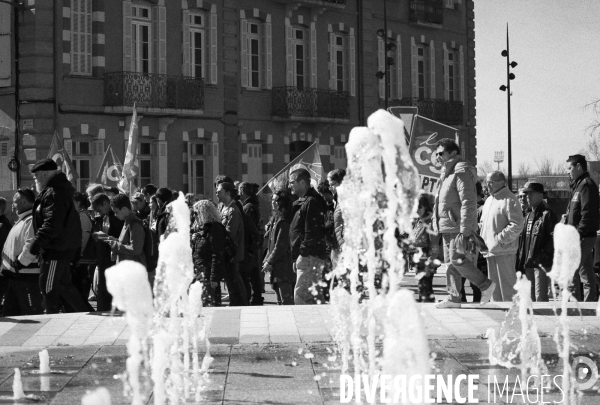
[
  {"x": 447, "y": 112},
  {"x": 427, "y": 11},
  {"x": 153, "y": 90},
  {"x": 308, "y": 102}
]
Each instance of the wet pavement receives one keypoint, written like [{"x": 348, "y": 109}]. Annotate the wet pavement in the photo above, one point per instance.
[{"x": 274, "y": 355}]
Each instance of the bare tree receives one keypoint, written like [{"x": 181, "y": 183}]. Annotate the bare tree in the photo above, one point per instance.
[
  {"x": 592, "y": 151},
  {"x": 524, "y": 169},
  {"x": 546, "y": 166},
  {"x": 484, "y": 168}
]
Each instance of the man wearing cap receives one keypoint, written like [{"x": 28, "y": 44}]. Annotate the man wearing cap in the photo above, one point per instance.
[
  {"x": 57, "y": 236},
  {"x": 536, "y": 246},
  {"x": 501, "y": 225},
  {"x": 582, "y": 213}
]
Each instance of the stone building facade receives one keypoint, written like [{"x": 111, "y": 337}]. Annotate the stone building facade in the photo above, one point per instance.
[{"x": 237, "y": 87}]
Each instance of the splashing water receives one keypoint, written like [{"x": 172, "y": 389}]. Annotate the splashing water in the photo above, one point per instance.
[
  {"x": 518, "y": 344},
  {"x": 17, "y": 386},
  {"x": 165, "y": 332},
  {"x": 378, "y": 201},
  {"x": 128, "y": 284},
  {"x": 101, "y": 396},
  {"x": 567, "y": 255},
  {"x": 177, "y": 322},
  {"x": 44, "y": 362}
]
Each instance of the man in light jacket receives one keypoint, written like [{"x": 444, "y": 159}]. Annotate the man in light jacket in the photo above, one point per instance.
[
  {"x": 455, "y": 218},
  {"x": 501, "y": 226}
]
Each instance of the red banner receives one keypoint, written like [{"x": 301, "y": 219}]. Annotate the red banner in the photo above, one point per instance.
[
  {"x": 110, "y": 170},
  {"x": 425, "y": 134},
  {"x": 59, "y": 154}
]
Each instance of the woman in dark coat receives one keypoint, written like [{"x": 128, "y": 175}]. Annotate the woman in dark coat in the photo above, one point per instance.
[
  {"x": 208, "y": 247},
  {"x": 278, "y": 260}
]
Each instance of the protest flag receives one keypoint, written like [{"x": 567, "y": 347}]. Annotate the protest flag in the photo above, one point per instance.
[
  {"x": 59, "y": 154},
  {"x": 111, "y": 169},
  {"x": 130, "y": 165}
]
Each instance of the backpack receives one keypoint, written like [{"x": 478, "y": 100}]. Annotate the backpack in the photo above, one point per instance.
[{"x": 88, "y": 252}]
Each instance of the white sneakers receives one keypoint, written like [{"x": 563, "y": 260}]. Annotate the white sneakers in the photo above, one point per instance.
[
  {"x": 447, "y": 304},
  {"x": 486, "y": 295}
]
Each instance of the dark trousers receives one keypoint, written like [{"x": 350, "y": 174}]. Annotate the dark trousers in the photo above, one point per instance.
[
  {"x": 55, "y": 284},
  {"x": 235, "y": 285},
  {"x": 208, "y": 293},
  {"x": 585, "y": 273},
  {"x": 252, "y": 283},
  {"x": 284, "y": 292},
  {"x": 23, "y": 296},
  {"x": 476, "y": 292},
  {"x": 80, "y": 276},
  {"x": 103, "y": 297}
]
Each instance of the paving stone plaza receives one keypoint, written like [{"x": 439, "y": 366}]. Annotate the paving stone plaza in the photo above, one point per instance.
[{"x": 270, "y": 354}]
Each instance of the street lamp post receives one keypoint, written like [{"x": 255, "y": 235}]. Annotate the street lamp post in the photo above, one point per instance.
[
  {"x": 387, "y": 60},
  {"x": 498, "y": 158},
  {"x": 509, "y": 76},
  {"x": 14, "y": 165}
]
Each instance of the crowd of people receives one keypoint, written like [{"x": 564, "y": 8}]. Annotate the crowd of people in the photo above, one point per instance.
[
  {"x": 55, "y": 255},
  {"x": 488, "y": 234}
]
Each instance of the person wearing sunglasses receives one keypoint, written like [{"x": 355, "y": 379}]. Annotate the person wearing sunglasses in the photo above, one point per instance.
[{"x": 455, "y": 218}]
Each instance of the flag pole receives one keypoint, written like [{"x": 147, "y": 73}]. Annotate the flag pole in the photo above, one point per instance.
[{"x": 286, "y": 167}]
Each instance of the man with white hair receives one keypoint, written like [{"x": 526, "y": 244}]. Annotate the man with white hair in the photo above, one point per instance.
[
  {"x": 501, "y": 225},
  {"x": 57, "y": 238}
]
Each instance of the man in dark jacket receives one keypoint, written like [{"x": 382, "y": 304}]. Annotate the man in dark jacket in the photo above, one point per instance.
[
  {"x": 536, "y": 246},
  {"x": 250, "y": 266},
  {"x": 307, "y": 237},
  {"x": 583, "y": 214},
  {"x": 57, "y": 239},
  {"x": 105, "y": 224}
]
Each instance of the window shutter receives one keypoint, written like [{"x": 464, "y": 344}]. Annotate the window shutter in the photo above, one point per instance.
[
  {"x": 244, "y": 39},
  {"x": 352, "y": 53},
  {"x": 289, "y": 54},
  {"x": 399, "y": 67},
  {"x": 414, "y": 73},
  {"x": 432, "y": 66},
  {"x": 213, "y": 46},
  {"x": 446, "y": 74},
  {"x": 81, "y": 37},
  {"x": 127, "y": 37},
  {"x": 332, "y": 63},
  {"x": 69, "y": 146},
  {"x": 313, "y": 55},
  {"x": 88, "y": 37},
  {"x": 461, "y": 69},
  {"x": 5, "y": 45},
  {"x": 269, "y": 53},
  {"x": 162, "y": 40},
  {"x": 186, "y": 44},
  {"x": 381, "y": 65}
]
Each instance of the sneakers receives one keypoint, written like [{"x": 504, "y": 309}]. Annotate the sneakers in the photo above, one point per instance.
[
  {"x": 486, "y": 295},
  {"x": 448, "y": 304}
]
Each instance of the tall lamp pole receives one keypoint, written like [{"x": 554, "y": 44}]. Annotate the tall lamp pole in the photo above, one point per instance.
[
  {"x": 387, "y": 60},
  {"x": 509, "y": 76},
  {"x": 14, "y": 165}
]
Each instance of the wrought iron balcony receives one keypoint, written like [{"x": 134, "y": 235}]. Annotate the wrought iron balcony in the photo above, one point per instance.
[
  {"x": 314, "y": 3},
  {"x": 153, "y": 90},
  {"x": 290, "y": 102},
  {"x": 447, "y": 112},
  {"x": 427, "y": 11}
]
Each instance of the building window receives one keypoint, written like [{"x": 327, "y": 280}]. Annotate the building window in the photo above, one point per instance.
[
  {"x": 81, "y": 37},
  {"x": 297, "y": 147},
  {"x": 254, "y": 49},
  {"x": 339, "y": 157},
  {"x": 197, "y": 45},
  {"x": 449, "y": 4},
  {"x": 299, "y": 54},
  {"x": 451, "y": 96},
  {"x": 141, "y": 39},
  {"x": 82, "y": 166},
  {"x": 338, "y": 51},
  {"x": 342, "y": 66},
  {"x": 421, "y": 73},
  {"x": 256, "y": 45},
  {"x": 197, "y": 176}
]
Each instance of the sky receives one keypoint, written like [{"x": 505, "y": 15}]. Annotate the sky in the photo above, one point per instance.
[{"x": 556, "y": 44}]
